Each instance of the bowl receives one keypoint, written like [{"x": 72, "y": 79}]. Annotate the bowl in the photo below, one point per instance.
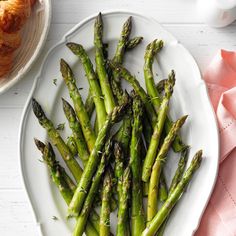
[{"x": 33, "y": 37}]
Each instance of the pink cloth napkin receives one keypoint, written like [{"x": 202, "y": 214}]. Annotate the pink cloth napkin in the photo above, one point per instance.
[{"x": 219, "y": 218}]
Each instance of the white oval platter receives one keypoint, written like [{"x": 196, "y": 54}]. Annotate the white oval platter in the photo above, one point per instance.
[{"x": 190, "y": 97}]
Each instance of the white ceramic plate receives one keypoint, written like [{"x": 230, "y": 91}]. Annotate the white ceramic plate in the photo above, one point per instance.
[
  {"x": 34, "y": 34},
  {"x": 190, "y": 97}
]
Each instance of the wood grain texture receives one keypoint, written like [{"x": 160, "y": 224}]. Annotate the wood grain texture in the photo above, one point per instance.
[{"x": 179, "y": 17}]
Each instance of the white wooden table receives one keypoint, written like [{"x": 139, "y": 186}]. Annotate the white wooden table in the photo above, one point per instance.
[{"x": 179, "y": 17}]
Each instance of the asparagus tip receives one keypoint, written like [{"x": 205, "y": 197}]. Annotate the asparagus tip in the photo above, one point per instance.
[
  {"x": 98, "y": 19},
  {"x": 157, "y": 45},
  {"x": 40, "y": 145},
  {"x": 65, "y": 69},
  {"x": 127, "y": 26},
  {"x": 182, "y": 120},
  {"x": 37, "y": 109},
  {"x": 74, "y": 47},
  {"x": 198, "y": 156},
  {"x": 66, "y": 104}
]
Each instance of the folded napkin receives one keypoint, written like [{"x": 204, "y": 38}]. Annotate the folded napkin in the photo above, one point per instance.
[{"x": 219, "y": 218}]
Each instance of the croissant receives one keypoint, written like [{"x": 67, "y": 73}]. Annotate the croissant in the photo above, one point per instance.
[
  {"x": 13, "y": 15},
  {"x": 9, "y": 42}
]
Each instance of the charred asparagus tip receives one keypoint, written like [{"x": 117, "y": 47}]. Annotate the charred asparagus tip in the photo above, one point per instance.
[
  {"x": 40, "y": 145},
  {"x": 182, "y": 120},
  {"x": 98, "y": 19},
  {"x": 65, "y": 68},
  {"x": 37, "y": 109}
]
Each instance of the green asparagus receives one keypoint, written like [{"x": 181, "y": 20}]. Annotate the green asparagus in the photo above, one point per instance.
[
  {"x": 76, "y": 130},
  {"x": 95, "y": 89},
  {"x": 61, "y": 179},
  {"x": 83, "y": 216},
  {"x": 160, "y": 86},
  {"x": 56, "y": 171},
  {"x": 178, "y": 145},
  {"x": 119, "y": 167},
  {"x": 132, "y": 43},
  {"x": 157, "y": 132},
  {"x": 137, "y": 212},
  {"x": 89, "y": 104},
  {"x": 121, "y": 229},
  {"x": 57, "y": 141},
  {"x": 174, "y": 197},
  {"x": 151, "y": 51},
  {"x": 163, "y": 193},
  {"x": 105, "y": 208},
  {"x": 121, "y": 46},
  {"x": 176, "y": 179},
  {"x": 124, "y": 73},
  {"x": 82, "y": 188},
  {"x": 72, "y": 145},
  {"x": 80, "y": 110},
  {"x": 109, "y": 100},
  {"x": 157, "y": 168}
]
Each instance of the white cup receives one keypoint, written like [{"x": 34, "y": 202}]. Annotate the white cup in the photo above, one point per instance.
[{"x": 217, "y": 13}]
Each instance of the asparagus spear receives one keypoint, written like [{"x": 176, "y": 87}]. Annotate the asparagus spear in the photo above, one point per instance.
[
  {"x": 72, "y": 145},
  {"x": 80, "y": 110},
  {"x": 180, "y": 170},
  {"x": 95, "y": 89},
  {"x": 105, "y": 208},
  {"x": 119, "y": 167},
  {"x": 119, "y": 56},
  {"x": 117, "y": 90},
  {"x": 152, "y": 91},
  {"x": 57, "y": 141},
  {"x": 122, "y": 44},
  {"x": 132, "y": 43},
  {"x": 137, "y": 219},
  {"x": 56, "y": 171},
  {"x": 124, "y": 133},
  {"x": 124, "y": 73},
  {"x": 76, "y": 130},
  {"x": 174, "y": 197},
  {"x": 50, "y": 159},
  {"x": 155, "y": 140},
  {"x": 178, "y": 145},
  {"x": 89, "y": 104},
  {"x": 82, "y": 188},
  {"x": 176, "y": 179},
  {"x": 60, "y": 178},
  {"x": 160, "y": 86},
  {"x": 157, "y": 168},
  {"x": 147, "y": 131},
  {"x": 148, "y": 134},
  {"x": 119, "y": 172},
  {"x": 151, "y": 51},
  {"x": 121, "y": 229},
  {"x": 83, "y": 216},
  {"x": 109, "y": 100},
  {"x": 163, "y": 193}
]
